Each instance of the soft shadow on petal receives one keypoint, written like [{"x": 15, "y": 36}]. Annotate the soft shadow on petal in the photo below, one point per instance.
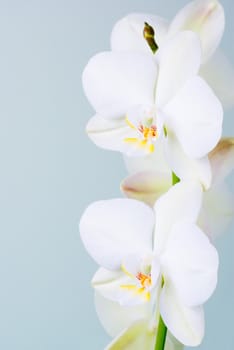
[
  {"x": 204, "y": 17},
  {"x": 115, "y": 318},
  {"x": 191, "y": 263},
  {"x": 178, "y": 60},
  {"x": 182, "y": 201},
  {"x": 152, "y": 162}
]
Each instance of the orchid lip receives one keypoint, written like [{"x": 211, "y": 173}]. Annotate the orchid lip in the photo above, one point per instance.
[
  {"x": 144, "y": 129},
  {"x": 140, "y": 285}
]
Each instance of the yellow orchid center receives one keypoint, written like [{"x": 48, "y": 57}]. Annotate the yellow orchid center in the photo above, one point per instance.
[
  {"x": 146, "y": 134},
  {"x": 144, "y": 281}
]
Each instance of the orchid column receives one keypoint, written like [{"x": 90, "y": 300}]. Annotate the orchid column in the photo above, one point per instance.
[{"x": 157, "y": 263}]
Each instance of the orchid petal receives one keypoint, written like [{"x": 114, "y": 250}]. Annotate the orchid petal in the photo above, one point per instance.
[
  {"x": 191, "y": 263},
  {"x": 153, "y": 162},
  {"x": 222, "y": 159},
  {"x": 219, "y": 74},
  {"x": 127, "y": 34},
  {"x": 116, "y": 135},
  {"x": 118, "y": 287},
  {"x": 137, "y": 337},
  {"x": 186, "y": 324},
  {"x": 114, "y": 317},
  {"x": 174, "y": 206},
  {"x": 184, "y": 167},
  {"x": 109, "y": 133},
  {"x": 113, "y": 82},
  {"x": 146, "y": 186},
  {"x": 179, "y": 60},
  {"x": 217, "y": 210},
  {"x": 113, "y": 229},
  {"x": 196, "y": 117},
  {"x": 204, "y": 17}
]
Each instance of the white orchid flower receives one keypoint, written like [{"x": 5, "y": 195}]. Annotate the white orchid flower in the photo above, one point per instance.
[
  {"x": 204, "y": 17},
  {"x": 154, "y": 256},
  {"x": 150, "y": 177},
  {"x": 133, "y": 329},
  {"x": 142, "y": 101}
]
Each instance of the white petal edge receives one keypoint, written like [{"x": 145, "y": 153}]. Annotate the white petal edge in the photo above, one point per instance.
[
  {"x": 217, "y": 210},
  {"x": 219, "y": 74}
]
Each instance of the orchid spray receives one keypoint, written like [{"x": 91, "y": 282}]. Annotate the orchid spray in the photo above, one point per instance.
[{"x": 155, "y": 101}]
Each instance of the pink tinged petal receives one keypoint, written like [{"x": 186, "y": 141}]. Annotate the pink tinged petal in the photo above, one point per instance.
[
  {"x": 185, "y": 323},
  {"x": 146, "y": 186},
  {"x": 204, "y": 17},
  {"x": 184, "y": 167},
  {"x": 113, "y": 82},
  {"x": 196, "y": 115},
  {"x": 137, "y": 337},
  {"x": 182, "y": 201},
  {"x": 127, "y": 34},
  {"x": 115, "y": 318},
  {"x": 178, "y": 60},
  {"x": 217, "y": 210},
  {"x": 222, "y": 159},
  {"x": 113, "y": 229},
  {"x": 190, "y": 262},
  {"x": 219, "y": 74}
]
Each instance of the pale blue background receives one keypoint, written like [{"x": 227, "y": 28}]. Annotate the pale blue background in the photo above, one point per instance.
[{"x": 50, "y": 171}]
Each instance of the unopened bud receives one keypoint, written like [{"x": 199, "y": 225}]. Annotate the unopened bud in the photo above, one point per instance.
[{"x": 149, "y": 34}]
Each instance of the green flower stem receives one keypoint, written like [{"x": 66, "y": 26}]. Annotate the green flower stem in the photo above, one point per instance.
[
  {"x": 162, "y": 329},
  {"x": 161, "y": 335}
]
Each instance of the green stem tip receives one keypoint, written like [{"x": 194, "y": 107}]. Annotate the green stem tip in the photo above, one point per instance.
[{"x": 175, "y": 179}]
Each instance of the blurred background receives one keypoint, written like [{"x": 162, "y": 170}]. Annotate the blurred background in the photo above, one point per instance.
[{"x": 50, "y": 171}]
